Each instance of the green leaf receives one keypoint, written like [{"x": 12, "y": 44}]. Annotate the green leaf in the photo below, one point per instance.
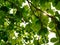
[
  {"x": 43, "y": 31},
  {"x": 3, "y": 35},
  {"x": 57, "y": 43},
  {"x": 36, "y": 42},
  {"x": 58, "y": 6},
  {"x": 36, "y": 26},
  {"x": 4, "y": 8},
  {"x": 57, "y": 15},
  {"x": 50, "y": 11},
  {"x": 44, "y": 20},
  {"x": 53, "y": 39},
  {"x": 52, "y": 25}
]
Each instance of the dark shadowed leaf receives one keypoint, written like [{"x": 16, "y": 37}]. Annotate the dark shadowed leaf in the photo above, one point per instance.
[{"x": 53, "y": 39}]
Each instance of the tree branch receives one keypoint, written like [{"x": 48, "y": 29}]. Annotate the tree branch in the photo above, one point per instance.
[
  {"x": 18, "y": 8},
  {"x": 52, "y": 17},
  {"x": 40, "y": 10}
]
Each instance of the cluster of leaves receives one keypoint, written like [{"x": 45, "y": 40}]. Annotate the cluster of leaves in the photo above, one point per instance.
[{"x": 32, "y": 15}]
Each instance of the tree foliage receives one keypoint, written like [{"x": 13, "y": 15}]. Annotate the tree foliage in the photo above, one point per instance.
[{"x": 27, "y": 24}]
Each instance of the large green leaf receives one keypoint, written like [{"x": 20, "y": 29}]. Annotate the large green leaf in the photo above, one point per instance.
[
  {"x": 56, "y": 4},
  {"x": 52, "y": 25},
  {"x": 53, "y": 39},
  {"x": 57, "y": 43},
  {"x": 44, "y": 20}
]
